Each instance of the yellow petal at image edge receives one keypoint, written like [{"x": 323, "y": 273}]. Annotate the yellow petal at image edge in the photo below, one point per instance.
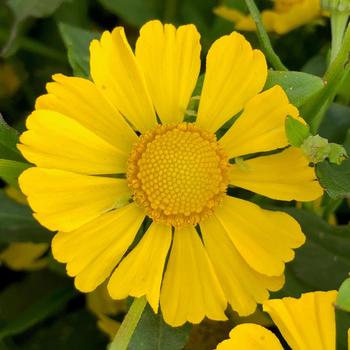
[
  {"x": 116, "y": 72},
  {"x": 190, "y": 289},
  {"x": 243, "y": 286},
  {"x": 234, "y": 74},
  {"x": 282, "y": 176},
  {"x": 170, "y": 60},
  {"x": 306, "y": 323},
  {"x": 65, "y": 201},
  {"x": 141, "y": 272},
  {"x": 56, "y": 141},
  {"x": 94, "y": 250},
  {"x": 265, "y": 243},
  {"x": 250, "y": 336},
  {"x": 82, "y": 101}
]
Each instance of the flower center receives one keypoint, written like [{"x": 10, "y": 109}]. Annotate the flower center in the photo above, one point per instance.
[{"x": 178, "y": 173}]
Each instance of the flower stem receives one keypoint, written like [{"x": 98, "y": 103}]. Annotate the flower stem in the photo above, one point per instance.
[
  {"x": 264, "y": 39},
  {"x": 127, "y": 328},
  {"x": 338, "y": 25},
  {"x": 313, "y": 112}
]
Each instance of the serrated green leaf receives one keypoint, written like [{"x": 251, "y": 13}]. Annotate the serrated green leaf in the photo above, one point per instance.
[
  {"x": 335, "y": 178},
  {"x": 343, "y": 298},
  {"x": 10, "y": 170},
  {"x": 77, "y": 42},
  {"x": 298, "y": 86},
  {"x": 152, "y": 333},
  {"x": 33, "y": 8},
  {"x": 17, "y": 223},
  {"x": 296, "y": 131}
]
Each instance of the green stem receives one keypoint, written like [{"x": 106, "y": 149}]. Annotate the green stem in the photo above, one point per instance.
[
  {"x": 264, "y": 39},
  {"x": 312, "y": 112},
  {"x": 338, "y": 26},
  {"x": 127, "y": 328}
]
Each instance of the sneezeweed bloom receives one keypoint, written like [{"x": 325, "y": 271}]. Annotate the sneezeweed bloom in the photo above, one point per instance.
[
  {"x": 114, "y": 155},
  {"x": 305, "y": 323},
  {"x": 285, "y": 16}
]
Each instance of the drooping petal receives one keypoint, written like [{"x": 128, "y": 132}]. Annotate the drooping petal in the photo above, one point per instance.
[
  {"x": 64, "y": 201},
  {"x": 116, "y": 72},
  {"x": 93, "y": 250},
  {"x": 81, "y": 100},
  {"x": 234, "y": 74},
  {"x": 267, "y": 241},
  {"x": 306, "y": 323},
  {"x": 190, "y": 289},
  {"x": 141, "y": 272},
  {"x": 170, "y": 60},
  {"x": 249, "y": 336},
  {"x": 300, "y": 13},
  {"x": 243, "y": 286},
  {"x": 261, "y": 126},
  {"x": 283, "y": 176},
  {"x": 56, "y": 141}
]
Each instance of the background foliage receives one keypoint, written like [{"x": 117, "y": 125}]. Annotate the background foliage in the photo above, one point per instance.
[{"x": 39, "y": 307}]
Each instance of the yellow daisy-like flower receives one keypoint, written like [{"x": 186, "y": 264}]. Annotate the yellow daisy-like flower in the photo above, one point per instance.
[
  {"x": 285, "y": 16},
  {"x": 305, "y": 323},
  {"x": 114, "y": 155}
]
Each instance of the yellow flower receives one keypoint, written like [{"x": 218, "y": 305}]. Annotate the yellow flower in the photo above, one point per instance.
[
  {"x": 305, "y": 323},
  {"x": 115, "y": 155},
  {"x": 285, "y": 16}
]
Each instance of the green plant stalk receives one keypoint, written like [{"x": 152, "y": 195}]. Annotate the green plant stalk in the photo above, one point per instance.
[
  {"x": 127, "y": 328},
  {"x": 312, "y": 111},
  {"x": 264, "y": 39}
]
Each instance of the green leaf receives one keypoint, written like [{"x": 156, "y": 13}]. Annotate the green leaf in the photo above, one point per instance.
[
  {"x": 135, "y": 12},
  {"x": 77, "y": 42},
  {"x": 17, "y": 223},
  {"x": 323, "y": 262},
  {"x": 296, "y": 131},
  {"x": 152, "y": 333},
  {"x": 298, "y": 86},
  {"x": 342, "y": 319},
  {"x": 343, "y": 298},
  {"x": 335, "y": 178},
  {"x": 8, "y": 142},
  {"x": 10, "y": 170},
  {"x": 33, "y": 8}
]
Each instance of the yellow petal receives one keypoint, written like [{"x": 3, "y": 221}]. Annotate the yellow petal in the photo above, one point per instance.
[
  {"x": 264, "y": 238},
  {"x": 243, "y": 286},
  {"x": 93, "y": 250},
  {"x": 115, "y": 71},
  {"x": 64, "y": 201},
  {"x": 234, "y": 74},
  {"x": 81, "y": 100},
  {"x": 283, "y": 176},
  {"x": 250, "y": 336},
  {"x": 56, "y": 141},
  {"x": 141, "y": 272},
  {"x": 190, "y": 289},
  {"x": 170, "y": 60},
  {"x": 306, "y": 323},
  {"x": 24, "y": 256},
  {"x": 261, "y": 126},
  {"x": 300, "y": 13}
]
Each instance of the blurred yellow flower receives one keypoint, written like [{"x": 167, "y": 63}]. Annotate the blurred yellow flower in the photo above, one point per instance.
[
  {"x": 9, "y": 80},
  {"x": 285, "y": 16},
  {"x": 305, "y": 323},
  {"x": 115, "y": 155}
]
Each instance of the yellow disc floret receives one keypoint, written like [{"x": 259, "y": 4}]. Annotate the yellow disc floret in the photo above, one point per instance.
[{"x": 178, "y": 173}]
